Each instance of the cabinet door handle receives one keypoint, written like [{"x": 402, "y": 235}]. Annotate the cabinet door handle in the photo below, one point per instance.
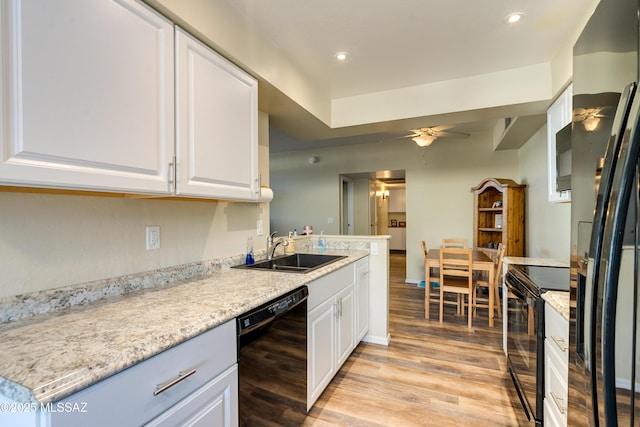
[
  {"x": 560, "y": 342},
  {"x": 173, "y": 173},
  {"x": 558, "y": 401},
  {"x": 168, "y": 384}
]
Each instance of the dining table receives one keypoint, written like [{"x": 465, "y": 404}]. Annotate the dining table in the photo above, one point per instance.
[{"x": 481, "y": 263}]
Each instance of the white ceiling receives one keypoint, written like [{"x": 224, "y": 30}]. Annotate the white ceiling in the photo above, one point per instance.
[{"x": 395, "y": 44}]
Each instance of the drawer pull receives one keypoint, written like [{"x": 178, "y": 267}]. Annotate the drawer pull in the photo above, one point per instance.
[
  {"x": 560, "y": 342},
  {"x": 166, "y": 385},
  {"x": 558, "y": 401}
]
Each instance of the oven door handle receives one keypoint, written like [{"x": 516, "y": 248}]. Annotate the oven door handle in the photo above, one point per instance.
[{"x": 517, "y": 292}]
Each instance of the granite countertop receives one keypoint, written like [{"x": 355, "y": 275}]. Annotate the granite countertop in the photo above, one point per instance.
[
  {"x": 46, "y": 357},
  {"x": 559, "y": 300}
]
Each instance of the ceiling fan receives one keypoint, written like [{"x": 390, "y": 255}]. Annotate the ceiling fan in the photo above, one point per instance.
[
  {"x": 590, "y": 117},
  {"x": 425, "y": 136}
]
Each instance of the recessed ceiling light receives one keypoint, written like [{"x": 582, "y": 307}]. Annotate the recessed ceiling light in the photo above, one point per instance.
[
  {"x": 342, "y": 56},
  {"x": 514, "y": 17}
]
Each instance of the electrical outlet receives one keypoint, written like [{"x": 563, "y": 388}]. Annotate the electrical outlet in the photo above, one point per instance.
[
  {"x": 330, "y": 220},
  {"x": 373, "y": 248},
  {"x": 259, "y": 228},
  {"x": 153, "y": 237}
]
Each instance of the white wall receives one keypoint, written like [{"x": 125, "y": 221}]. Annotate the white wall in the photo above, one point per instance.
[
  {"x": 438, "y": 183},
  {"x": 548, "y": 225},
  {"x": 48, "y": 241},
  {"x": 361, "y": 207}
]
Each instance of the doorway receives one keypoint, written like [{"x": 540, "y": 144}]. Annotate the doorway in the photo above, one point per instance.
[
  {"x": 364, "y": 201},
  {"x": 347, "y": 214}
]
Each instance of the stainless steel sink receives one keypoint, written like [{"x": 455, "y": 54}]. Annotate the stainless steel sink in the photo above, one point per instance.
[{"x": 296, "y": 263}]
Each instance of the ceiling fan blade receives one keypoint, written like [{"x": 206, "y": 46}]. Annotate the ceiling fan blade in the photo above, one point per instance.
[
  {"x": 441, "y": 128},
  {"x": 452, "y": 133}
]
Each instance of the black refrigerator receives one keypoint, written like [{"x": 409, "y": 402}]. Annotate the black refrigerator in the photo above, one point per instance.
[{"x": 604, "y": 332}]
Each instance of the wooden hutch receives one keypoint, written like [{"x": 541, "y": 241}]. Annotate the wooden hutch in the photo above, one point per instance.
[{"x": 499, "y": 216}]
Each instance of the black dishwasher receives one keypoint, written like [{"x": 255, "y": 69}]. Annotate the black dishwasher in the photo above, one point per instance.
[{"x": 272, "y": 362}]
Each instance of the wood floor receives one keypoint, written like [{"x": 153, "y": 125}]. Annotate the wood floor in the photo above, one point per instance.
[{"x": 431, "y": 374}]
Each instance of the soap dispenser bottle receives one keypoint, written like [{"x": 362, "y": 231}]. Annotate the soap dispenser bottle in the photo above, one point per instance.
[
  {"x": 322, "y": 243},
  {"x": 290, "y": 248},
  {"x": 249, "y": 259}
]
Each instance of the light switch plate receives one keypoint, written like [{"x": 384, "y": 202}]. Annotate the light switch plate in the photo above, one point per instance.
[{"x": 153, "y": 237}]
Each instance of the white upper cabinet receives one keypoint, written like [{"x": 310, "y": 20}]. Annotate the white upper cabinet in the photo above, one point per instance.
[
  {"x": 93, "y": 98},
  {"x": 216, "y": 126},
  {"x": 87, "y": 95},
  {"x": 559, "y": 115}
]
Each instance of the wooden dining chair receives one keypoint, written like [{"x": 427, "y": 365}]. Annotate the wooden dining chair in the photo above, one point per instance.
[
  {"x": 457, "y": 243},
  {"x": 481, "y": 284},
  {"x": 456, "y": 276}
]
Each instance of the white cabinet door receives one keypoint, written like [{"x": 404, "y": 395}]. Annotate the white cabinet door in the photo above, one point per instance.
[
  {"x": 88, "y": 98},
  {"x": 345, "y": 331},
  {"x": 143, "y": 391},
  {"x": 556, "y": 367},
  {"x": 559, "y": 115},
  {"x": 321, "y": 348},
  {"x": 216, "y": 125},
  {"x": 362, "y": 298}
]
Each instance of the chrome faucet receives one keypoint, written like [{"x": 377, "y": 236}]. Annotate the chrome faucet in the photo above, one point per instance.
[{"x": 271, "y": 245}]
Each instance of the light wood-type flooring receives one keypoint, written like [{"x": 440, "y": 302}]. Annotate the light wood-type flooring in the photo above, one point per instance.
[{"x": 431, "y": 374}]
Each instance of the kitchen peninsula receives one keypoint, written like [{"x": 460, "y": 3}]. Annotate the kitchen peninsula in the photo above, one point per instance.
[{"x": 48, "y": 357}]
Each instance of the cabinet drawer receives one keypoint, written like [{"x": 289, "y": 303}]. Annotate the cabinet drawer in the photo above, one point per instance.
[
  {"x": 556, "y": 371},
  {"x": 557, "y": 331},
  {"x": 325, "y": 287},
  {"x": 127, "y": 398},
  {"x": 215, "y": 404},
  {"x": 552, "y": 417}
]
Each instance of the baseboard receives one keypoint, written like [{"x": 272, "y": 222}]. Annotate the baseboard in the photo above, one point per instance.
[{"x": 377, "y": 340}]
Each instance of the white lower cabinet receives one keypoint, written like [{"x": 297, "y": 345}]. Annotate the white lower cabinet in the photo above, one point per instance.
[
  {"x": 203, "y": 371},
  {"x": 362, "y": 298},
  {"x": 321, "y": 349},
  {"x": 214, "y": 404},
  {"x": 336, "y": 310},
  {"x": 556, "y": 368},
  {"x": 346, "y": 321}
]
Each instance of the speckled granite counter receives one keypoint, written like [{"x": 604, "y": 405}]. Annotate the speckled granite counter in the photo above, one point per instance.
[
  {"x": 46, "y": 357},
  {"x": 559, "y": 301}
]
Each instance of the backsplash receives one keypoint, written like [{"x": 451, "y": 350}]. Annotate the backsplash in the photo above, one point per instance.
[{"x": 40, "y": 302}]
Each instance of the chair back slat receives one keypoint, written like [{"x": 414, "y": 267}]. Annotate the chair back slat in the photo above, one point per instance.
[
  {"x": 458, "y": 243},
  {"x": 456, "y": 262}
]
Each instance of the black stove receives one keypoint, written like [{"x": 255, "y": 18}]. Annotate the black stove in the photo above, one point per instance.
[{"x": 539, "y": 279}]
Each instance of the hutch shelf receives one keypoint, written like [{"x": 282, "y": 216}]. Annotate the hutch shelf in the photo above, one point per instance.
[{"x": 499, "y": 216}]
